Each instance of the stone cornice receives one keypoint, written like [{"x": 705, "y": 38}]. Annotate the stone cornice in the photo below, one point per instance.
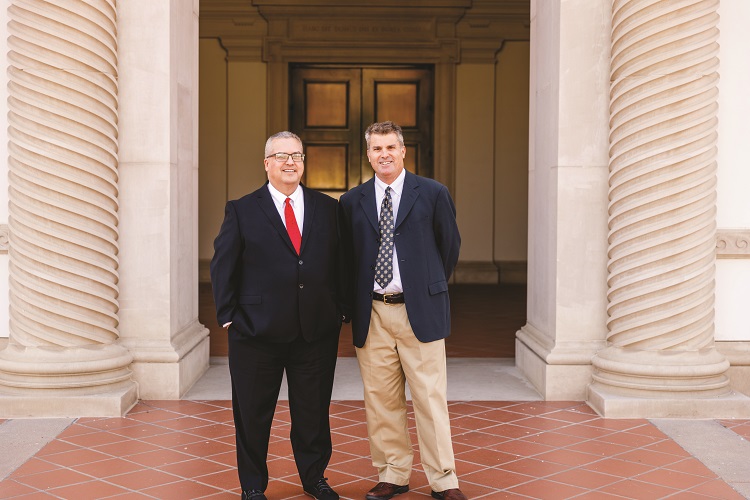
[
  {"x": 488, "y": 24},
  {"x": 284, "y": 50},
  {"x": 238, "y": 26},
  {"x": 248, "y": 28},
  {"x": 418, "y": 7}
]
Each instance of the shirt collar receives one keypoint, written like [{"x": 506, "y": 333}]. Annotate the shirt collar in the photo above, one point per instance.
[
  {"x": 279, "y": 198},
  {"x": 397, "y": 185}
]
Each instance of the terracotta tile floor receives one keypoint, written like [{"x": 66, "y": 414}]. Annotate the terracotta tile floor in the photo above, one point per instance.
[{"x": 543, "y": 450}]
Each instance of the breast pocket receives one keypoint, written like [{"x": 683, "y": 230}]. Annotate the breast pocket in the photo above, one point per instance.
[{"x": 246, "y": 300}]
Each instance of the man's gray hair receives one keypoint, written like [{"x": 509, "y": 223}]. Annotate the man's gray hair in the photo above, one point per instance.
[{"x": 280, "y": 135}]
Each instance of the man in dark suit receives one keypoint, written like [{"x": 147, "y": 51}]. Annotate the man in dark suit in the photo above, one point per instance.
[
  {"x": 401, "y": 244},
  {"x": 274, "y": 276}
]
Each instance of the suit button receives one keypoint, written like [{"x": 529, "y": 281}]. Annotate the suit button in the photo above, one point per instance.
[
  {"x": 301, "y": 285},
  {"x": 372, "y": 268},
  {"x": 300, "y": 263}
]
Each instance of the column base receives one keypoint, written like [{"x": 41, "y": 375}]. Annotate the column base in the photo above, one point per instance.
[
  {"x": 113, "y": 403},
  {"x": 169, "y": 370},
  {"x": 54, "y": 381},
  {"x": 609, "y": 404},
  {"x": 558, "y": 374}
]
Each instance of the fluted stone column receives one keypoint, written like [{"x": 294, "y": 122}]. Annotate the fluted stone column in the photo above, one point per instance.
[
  {"x": 62, "y": 358},
  {"x": 661, "y": 360}
]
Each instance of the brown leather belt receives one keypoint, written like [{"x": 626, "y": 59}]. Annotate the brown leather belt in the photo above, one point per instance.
[{"x": 388, "y": 298}]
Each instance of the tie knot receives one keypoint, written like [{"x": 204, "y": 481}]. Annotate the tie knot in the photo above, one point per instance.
[{"x": 289, "y": 201}]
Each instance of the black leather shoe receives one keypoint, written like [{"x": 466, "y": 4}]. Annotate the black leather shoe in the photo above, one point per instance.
[
  {"x": 253, "y": 495},
  {"x": 321, "y": 490},
  {"x": 452, "y": 494},
  {"x": 384, "y": 491}
]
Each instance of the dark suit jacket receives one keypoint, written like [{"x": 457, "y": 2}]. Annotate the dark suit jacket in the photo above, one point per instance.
[
  {"x": 261, "y": 285},
  {"x": 427, "y": 243}
]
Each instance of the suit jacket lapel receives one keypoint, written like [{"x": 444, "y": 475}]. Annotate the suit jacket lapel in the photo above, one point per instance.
[
  {"x": 309, "y": 214},
  {"x": 368, "y": 203},
  {"x": 409, "y": 196},
  {"x": 265, "y": 201}
]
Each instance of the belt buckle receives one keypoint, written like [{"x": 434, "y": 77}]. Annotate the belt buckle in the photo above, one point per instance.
[{"x": 385, "y": 299}]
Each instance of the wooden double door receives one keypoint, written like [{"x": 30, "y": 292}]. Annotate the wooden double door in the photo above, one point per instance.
[{"x": 331, "y": 106}]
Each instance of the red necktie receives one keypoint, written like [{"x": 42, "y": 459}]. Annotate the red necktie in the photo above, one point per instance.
[{"x": 291, "y": 225}]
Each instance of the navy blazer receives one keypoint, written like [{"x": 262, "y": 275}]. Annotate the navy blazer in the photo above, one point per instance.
[
  {"x": 261, "y": 285},
  {"x": 427, "y": 244}
]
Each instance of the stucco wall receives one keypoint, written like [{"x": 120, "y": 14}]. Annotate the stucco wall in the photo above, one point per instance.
[
  {"x": 232, "y": 137},
  {"x": 733, "y": 207},
  {"x": 512, "y": 152}
]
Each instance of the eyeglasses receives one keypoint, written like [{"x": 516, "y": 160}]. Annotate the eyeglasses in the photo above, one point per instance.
[{"x": 283, "y": 157}]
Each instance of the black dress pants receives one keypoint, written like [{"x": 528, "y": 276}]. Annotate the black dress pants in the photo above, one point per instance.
[{"x": 256, "y": 368}]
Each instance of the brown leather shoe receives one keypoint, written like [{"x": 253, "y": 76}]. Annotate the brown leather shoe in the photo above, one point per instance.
[
  {"x": 452, "y": 494},
  {"x": 384, "y": 491}
]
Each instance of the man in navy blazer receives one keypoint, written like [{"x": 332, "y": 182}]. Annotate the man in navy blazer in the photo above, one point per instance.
[
  {"x": 274, "y": 276},
  {"x": 401, "y": 244}
]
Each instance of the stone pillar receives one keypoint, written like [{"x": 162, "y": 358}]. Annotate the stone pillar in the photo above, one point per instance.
[
  {"x": 568, "y": 111},
  {"x": 158, "y": 41},
  {"x": 660, "y": 361},
  {"x": 62, "y": 358}
]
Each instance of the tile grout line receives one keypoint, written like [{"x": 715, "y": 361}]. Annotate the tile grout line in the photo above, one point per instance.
[{"x": 472, "y": 411}]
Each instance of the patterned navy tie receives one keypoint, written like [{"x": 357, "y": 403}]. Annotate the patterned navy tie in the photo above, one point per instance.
[{"x": 384, "y": 264}]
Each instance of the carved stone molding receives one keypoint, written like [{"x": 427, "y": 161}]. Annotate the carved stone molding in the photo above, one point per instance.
[
  {"x": 237, "y": 24},
  {"x": 662, "y": 215},
  {"x": 733, "y": 244},
  {"x": 489, "y": 24},
  {"x": 482, "y": 26}
]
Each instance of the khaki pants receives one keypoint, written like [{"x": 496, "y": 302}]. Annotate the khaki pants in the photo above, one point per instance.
[{"x": 390, "y": 356}]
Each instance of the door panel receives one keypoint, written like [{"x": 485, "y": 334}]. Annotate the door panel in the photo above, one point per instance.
[
  {"x": 331, "y": 107},
  {"x": 325, "y": 112},
  {"x": 405, "y": 97}
]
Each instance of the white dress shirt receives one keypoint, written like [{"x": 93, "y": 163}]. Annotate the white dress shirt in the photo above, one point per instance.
[
  {"x": 397, "y": 188},
  {"x": 298, "y": 204}
]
